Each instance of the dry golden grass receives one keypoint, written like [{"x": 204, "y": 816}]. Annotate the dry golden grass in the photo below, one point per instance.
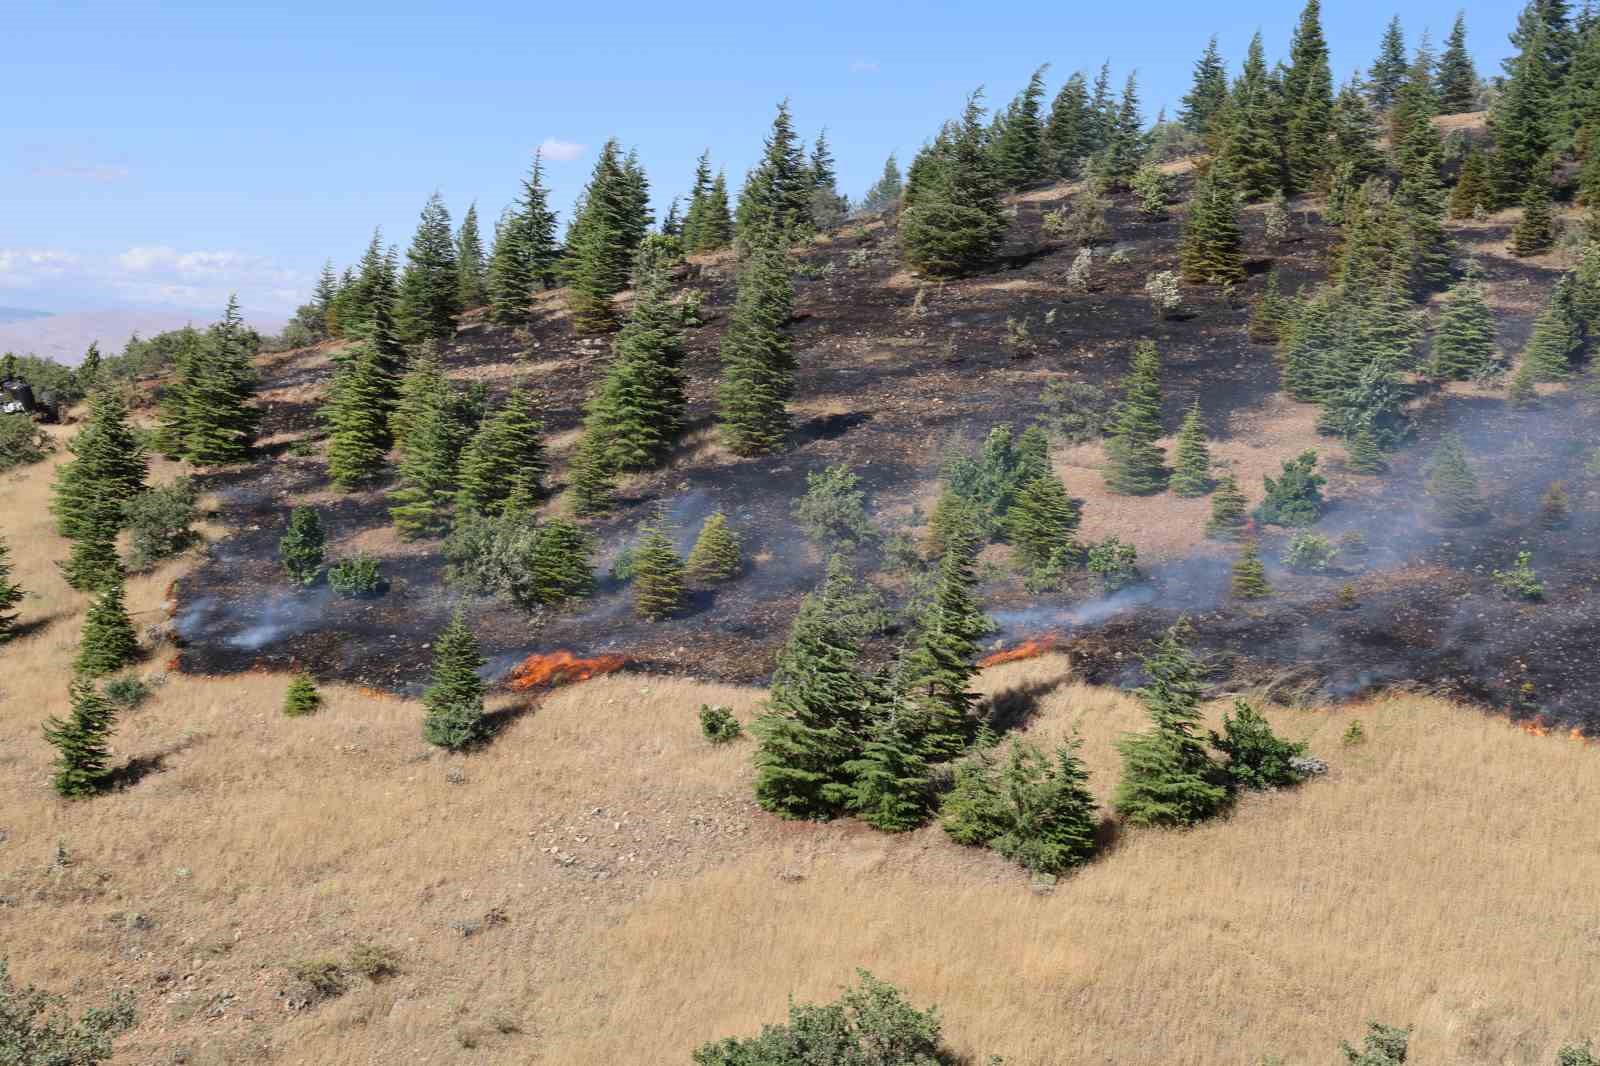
[{"x": 1442, "y": 875}]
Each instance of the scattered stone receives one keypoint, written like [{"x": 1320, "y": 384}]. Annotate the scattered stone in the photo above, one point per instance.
[
  {"x": 1308, "y": 765},
  {"x": 791, "y": 875},
  {"x": 1043, "y": 884}
]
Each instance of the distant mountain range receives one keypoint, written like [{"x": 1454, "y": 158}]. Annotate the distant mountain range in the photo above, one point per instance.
[{"x": 65, "y": 337}]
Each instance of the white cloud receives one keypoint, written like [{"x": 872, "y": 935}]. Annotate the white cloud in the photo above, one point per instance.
[
  {"x": 559, "y": 151},
  {"x": 24, "y": 267},
  {"x": 157, "y": 275},
  {"x": 101, "y": 172},
  {"x": 864, "y": 66}
]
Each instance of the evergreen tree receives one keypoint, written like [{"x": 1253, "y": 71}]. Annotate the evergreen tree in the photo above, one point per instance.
[
  {"x": 1269, "y": 318},
  {"x": 11, "y": 594},
  {"x": 1523, "y": 117},
  {"x": 303, "y": 545},
  {"x": 828, "y": 208},
  {"x": 454, "y": 697},
  {"x": 82, "y": 753},
  {"x": 715, "y": 556},
  {"x": 776, "y": 201},
  {"x": 657, "y": 574},
  {"x": 889, "y": 782},
  {"x": 324, "y": 299},
  {"x": 524, "y": 253},
  {"x": 1294, "y": 497},
  {"x": 1534, "y": 233},
  {"x": 1102, "y": 111},
  {"x": 757, "y": 361},
  {"x": 302, "y": 697},
  {"x": 1557, "y": 336},
  {"x": 93, "y": 563},
  {"x": 939, "y": 667},
  {"x": 172, "y": 418},
  {"x": 1068, "y": 133},
  {"x": 1040, "y": 816},
  {"x": 817, "y": 709},
  {"x": 1308, "y": 92},
  {"x": 1457, "y": 83},
  {"x": 420, "y": 506},
  {"x": 357, "y": 411},
  {"x": 1135, "y": 463},
  {"x": 419, "y": 389},
  {"x": 1251, "y": 151},
  {"x": 955, "y": 220},
  {"x": 1209, "y": 96},
  {"x": 1472, "y": 191},
  {"x": 1124, "y": 148},
  {"x": 672, "y": 225},
  {"x": 591, "y": 478},
  {"x": 88, "y": 371},
  {"x": 108, "y": 642},
  {"x": 1452, "y": 487},
  {"x": 221, "y": 420},
  {"x": 716, "y": 227},
  {"x": 502, "y": 467},
  {"x": 1249, "y": 580},
  {"x": 1168, "y": 779},
  {"x": 1041, "y": 520},
  {"x": 561, "y": 567},
  {"x": 1389, "y": 70},
  {"x": 639, "y": 410},
  {"x": 1211, "y": 251},
  {"x": 108, "y": 466},
  {"x": 599, "y": 242},
  {"x": 1464, "y": 346},
  {"x": 694, "y": 217},
  {"x": 884, "y": 194},
  {"x": 1019, "y": 152},
  {"x": 472, "y": 270},
  {"x": 1227, "y": 510},
  {"x": 1363, "y": 454},
  {"x": 1191, "y": 468}
]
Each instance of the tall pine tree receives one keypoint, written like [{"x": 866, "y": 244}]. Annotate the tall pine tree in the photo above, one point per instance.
[
  {"x": 454, "y": 697},
  {"x": 757, "y": 361},
  {"x": 502, "y": 468},
  {"x": 1135, "y": 464},
  {"x": 472, "y": 270},
  {"x": 1168, "y": 778}
]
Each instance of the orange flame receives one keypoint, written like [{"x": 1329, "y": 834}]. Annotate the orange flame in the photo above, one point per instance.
[
  {"x": 1535, "y": 726},
  {"x": 562, "y": 668},
  {"x": 1028, "y": 649}
]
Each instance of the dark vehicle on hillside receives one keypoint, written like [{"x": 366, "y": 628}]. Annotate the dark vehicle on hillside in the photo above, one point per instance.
[{"x": 18, "y": 397}]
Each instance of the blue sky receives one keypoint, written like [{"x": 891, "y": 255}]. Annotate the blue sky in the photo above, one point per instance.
[{"x": 159, "y": 155}]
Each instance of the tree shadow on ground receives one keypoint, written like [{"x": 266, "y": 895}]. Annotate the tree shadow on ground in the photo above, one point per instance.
[{"x": 1013, "y": 708}]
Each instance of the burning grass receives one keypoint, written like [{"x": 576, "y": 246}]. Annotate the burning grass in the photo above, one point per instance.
[{"x": 551, "y": 669}]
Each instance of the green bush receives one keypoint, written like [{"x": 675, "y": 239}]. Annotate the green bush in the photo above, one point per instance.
[
  {"x": 1520, "y": 582},
  {"x": 373, "y": 961},
  {"x": 35, "y": 1029},
  {"x": 533, "y": 565},
  {"x": 21, "y": 442},
  {"x": 1078, "y": 411},
  {"x": 1256, "y": 757},
  {"x": 1294, "y": 498},
  {"x": 1115, "y": 562},
  {"x": 159, "y": 522},
  {"x": 718, "y": 724},
  {"x": 127, "y": 692},
  {"x": 1036, "y": 814},
  {"x": 358, "y": 577},
  {"x": 1309, "y": 553},
  {"x": 302, "y": 546},
  {"x": 870, "y": 1025},
  {"x": 320, "y": 978},
  {"x": 302, "y": 697},
  {"x": 833, "y": 511}
]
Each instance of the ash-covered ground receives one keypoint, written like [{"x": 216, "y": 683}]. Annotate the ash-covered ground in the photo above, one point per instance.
[{"x": 888, "y": 382}]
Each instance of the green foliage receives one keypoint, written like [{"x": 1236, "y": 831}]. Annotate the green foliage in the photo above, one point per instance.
[
  {"x": 1309, "y": 553},
  {"x": 127, "y": 692},
  {"x": 303, "y": 545},
  {"x": 870, "y": 1025},
  {"x": 817, "y": 707},
  {"x": 1256, "y": 757},
  {"x": 357, "y": 411},
  {"x": 1383, "y": 1045},
  {"x": 431, "y": 447},
  {"x": 1042, "y": 519},
  {"x": 1452, "y": 487},
  {"x": 1308, "y": 101},
  {"x": 1227, "y": 510},
  {"x": 454, "y": 698},
  {"x": 358, "y": 577},
  {"x": 1115, "y": 563},
  {"x": 1168, "y": 779},
  {"x": 21, "y": 442},
  {"x": 11, "y": 594},
  {"x": 503, "y": 466},
  {"x": 1039, "y": 815},
  {"x": 1557, "y": 336},
  {"x": 1250, "y": 130},
  {"x": 1294, "y": 498},
  {"x": 302, "y": 697},
  {"x": 638, "y": 411},
  {"x": 472, "y": 269},
  {"x": 1535, "y": 231},
  {"x": 1464, "y": 344},
  {"x": 715, "y": 556},
  {"x": 937, "y": 670},
  {"x": 883, "y": 194},
  {"x": 1249, "y": 576},
  {"x": 1269, "y": 319},
  {"x": 108, "y": 467},
  {"x": 1472, "y": 192},
  {"x": 1203, "y": 102},
  {"x": 657, "y": 574},
  {"x": 430, "y": 286},
  {"x": 953, "y": 219},
  {"x": 35, "y": 1029},
  {"x": 108, "y": 642},
  {"x": 533, "y": 564},
  {"x": 1354, "y": 734},
  {"x": 602, "y": 240},
  {"x": 1555, "y": 506},
  {"x": 777, "y": 196},
  {"x": 1191, "y": 468},
  {"x": 80, "y": 768},
  {"x": 718, "y": 724},
  {"x": 757, "y": 361},
  {"x": 159, "y": 522},
  {"x": 524, "y": 253},
  {"x": 216, "y": 386},
  {"x": 1521, "y": 581},
  {"x": 1077, "y": 410},
  {"x": 889, "y": 784},
  {"x": 833, "y": 511},
  {"x": 1154, "y": 189},
  {"x": 591, "y": 480},
  {"x": 1577, "y": 1055},
  {"x": 1135, "y": 464},
  {"x": 93, "y": 564}
]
